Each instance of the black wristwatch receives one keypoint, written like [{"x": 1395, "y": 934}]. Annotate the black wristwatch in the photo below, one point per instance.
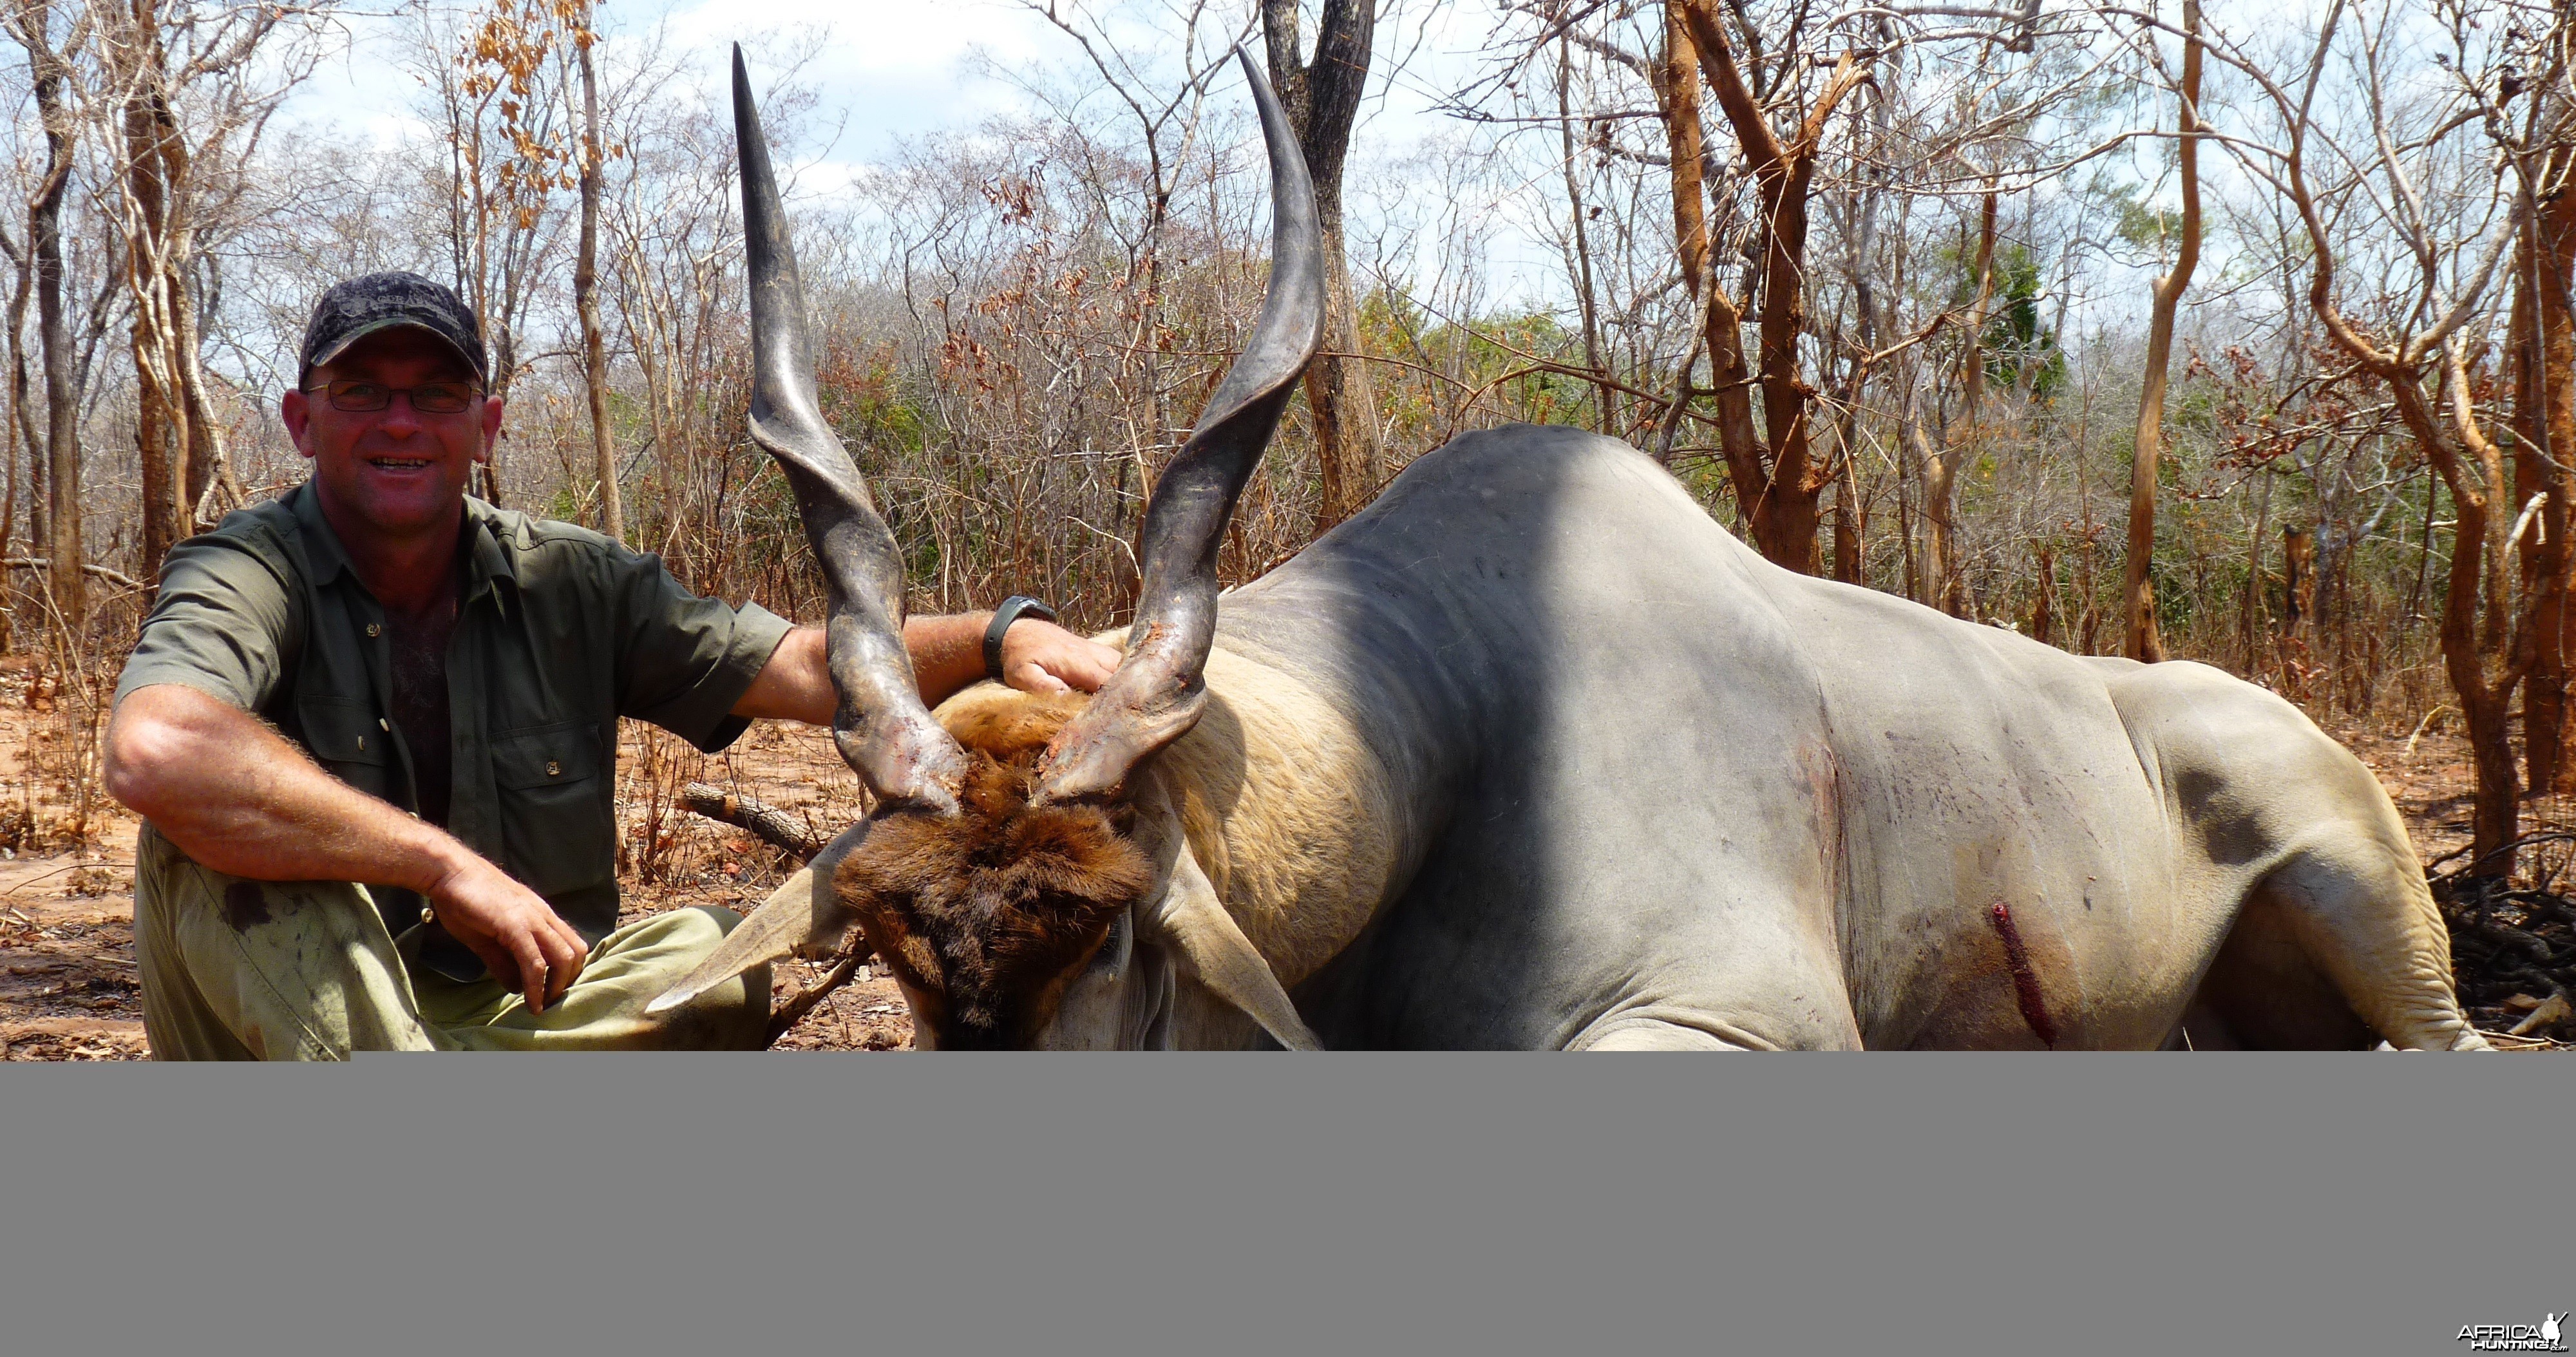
[{"x": 1012, "y": 610}]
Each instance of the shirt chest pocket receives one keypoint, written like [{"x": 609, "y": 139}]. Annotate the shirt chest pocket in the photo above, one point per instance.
[
  {"x": 558, "y": 823},
  {"x": 346, "y": 736},
  {"x": 546, "y": 756}
]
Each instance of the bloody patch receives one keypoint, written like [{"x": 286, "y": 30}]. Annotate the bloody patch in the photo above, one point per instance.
[
  {"x": 245, "y": 906},
  {"x": 2034, "y": 1007}
]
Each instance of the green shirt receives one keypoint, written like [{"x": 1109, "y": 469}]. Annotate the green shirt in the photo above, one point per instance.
[{"x": 560, "y": 632}]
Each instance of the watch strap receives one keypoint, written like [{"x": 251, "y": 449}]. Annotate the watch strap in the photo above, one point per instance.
[{"x": 1012, "y": 610}]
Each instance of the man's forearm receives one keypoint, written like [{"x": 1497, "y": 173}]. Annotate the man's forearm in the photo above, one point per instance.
[
  {"x": 235, "y": 796},
  {"x": 947, "y": 652},
  {"x": 796, "y": 685}
]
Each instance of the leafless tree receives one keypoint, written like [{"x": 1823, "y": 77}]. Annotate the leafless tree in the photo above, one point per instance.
[
  {"x": 1322, "y": 97},
  {"x": 575, "y": 16},
  {"x": 189, "y": 90},
  {"x": 2137, "y": 581},
  {"x": 49, "y": 58},
  {"x": 2407, "y": 170}
]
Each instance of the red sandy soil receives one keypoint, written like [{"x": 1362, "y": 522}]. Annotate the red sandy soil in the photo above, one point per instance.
[{"x": 67, "y": 977}]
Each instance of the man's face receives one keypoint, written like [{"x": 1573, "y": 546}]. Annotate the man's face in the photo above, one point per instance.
[{"x": 397, "y": 472}]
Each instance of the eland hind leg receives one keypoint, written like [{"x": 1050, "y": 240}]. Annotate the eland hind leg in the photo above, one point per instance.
[
  {"x": 2337, "y": 948},
  {"x": 2337, "y": 937}
]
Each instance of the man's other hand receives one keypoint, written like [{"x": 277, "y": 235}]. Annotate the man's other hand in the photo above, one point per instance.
[
  {"x": 527, "y": 946},
  {"x": 1041, "y": 657}
]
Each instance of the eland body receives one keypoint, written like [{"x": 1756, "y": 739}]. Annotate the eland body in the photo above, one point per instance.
[{"x": 1533, "y": 754}]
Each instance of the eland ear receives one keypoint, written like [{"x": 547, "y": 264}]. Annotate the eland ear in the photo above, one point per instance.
[
  {"x": 803, "y": 916},
  {"x": 1209, "y": 947}
]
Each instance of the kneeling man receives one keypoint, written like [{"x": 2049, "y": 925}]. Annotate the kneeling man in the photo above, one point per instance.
[{"x": 372, "y": 727}]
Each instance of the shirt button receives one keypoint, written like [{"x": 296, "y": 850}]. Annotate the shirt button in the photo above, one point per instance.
[
  {"x": 553, "y": 769},
  {"x": 428, "y": 915},
  {"x": 362, "y": 743},
  {"x": 374, "y": 630},
  {"x": 380, "y": 724}
]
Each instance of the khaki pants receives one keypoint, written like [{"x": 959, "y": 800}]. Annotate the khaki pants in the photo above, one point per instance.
[{"x": 235, "y": 969}]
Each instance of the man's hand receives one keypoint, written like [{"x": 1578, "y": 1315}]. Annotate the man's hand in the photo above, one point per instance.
[
  {"x": 1041, "y": 657},
  {"x": 527, "y": 946}
]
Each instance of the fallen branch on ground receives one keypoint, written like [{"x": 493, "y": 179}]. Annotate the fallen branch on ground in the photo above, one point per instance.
[
  {"x": 774, "y": 827},
  {"x": 794, "y": 1010},
  {"x": 789, "y": 835},
  {"x": 116, "y": 577}
]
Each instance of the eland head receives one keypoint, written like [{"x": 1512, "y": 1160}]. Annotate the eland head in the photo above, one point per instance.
[{"x": 1021, "y": 876}]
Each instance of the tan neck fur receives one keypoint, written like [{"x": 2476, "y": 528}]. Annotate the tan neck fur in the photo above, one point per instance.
[{"x": 1290, "y": 815}]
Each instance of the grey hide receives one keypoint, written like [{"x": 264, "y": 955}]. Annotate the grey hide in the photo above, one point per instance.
[{"x": 1659, "y": 792}]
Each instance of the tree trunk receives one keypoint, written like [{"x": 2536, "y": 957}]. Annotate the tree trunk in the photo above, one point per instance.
[
  {"x": 153, "y": 186},
  {"x": 2474, "y": 470},
  {"x": 2298, "y": 578},
  {"x": 1586, "y": 299},
  {"x": 585, "y": 287},
  {"x": 68, "y": 594},
  {"x": 2137, "y": 581},
  {"x": 24, "y": 434},
  {"x": 1905, "y": 534},
  {"x": 1940, "y": 585},
  {"x": 207, "y": 479},
  {"x": 1779, "y": 499},
  {"x": 1848, "y": 523},
  {"x": 9, "y": 438},
  {"x": 1677, "y": 92},
  {"x": 2250, "y": 622},
  {"x": 1322, "y": 100},
  {"x": 2088, "y": 622},
  {"x": 2043, "y": 616},
  {"x": 1948, "y": 591},
  {"x": 1731, "y": 381},
  {"x": 2544, "y": 330}
]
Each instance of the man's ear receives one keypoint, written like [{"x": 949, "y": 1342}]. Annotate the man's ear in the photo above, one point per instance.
[
  {"x": 491, "y": 429},
  {"x": 295, "y": 409}
]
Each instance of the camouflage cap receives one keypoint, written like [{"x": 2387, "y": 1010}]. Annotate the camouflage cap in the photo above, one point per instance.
[{"x": 359, "y": 307}]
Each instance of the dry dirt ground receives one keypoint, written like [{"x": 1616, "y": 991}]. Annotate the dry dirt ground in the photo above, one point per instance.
[{"x": 67, "y": 976}]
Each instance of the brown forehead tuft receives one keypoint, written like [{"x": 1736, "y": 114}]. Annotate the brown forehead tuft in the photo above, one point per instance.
[
  {"x": 1001, "y": 900},
  {"x": 1011, "y": 726}
]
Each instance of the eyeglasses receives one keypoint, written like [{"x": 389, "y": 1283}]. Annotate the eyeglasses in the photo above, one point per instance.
[{"x": 429, "y": 398}]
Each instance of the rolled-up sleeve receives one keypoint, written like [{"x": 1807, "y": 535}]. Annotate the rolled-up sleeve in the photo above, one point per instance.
[
  {"x": 687, "y": 660},
  {"x": 222, "y": 624}
]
